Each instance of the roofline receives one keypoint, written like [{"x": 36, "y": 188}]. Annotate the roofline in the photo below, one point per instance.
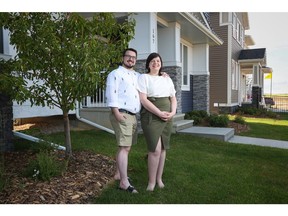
[{"x": 201, "y": 27}]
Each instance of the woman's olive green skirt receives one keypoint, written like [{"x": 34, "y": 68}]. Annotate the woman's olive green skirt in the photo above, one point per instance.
[{"x": 153, "y": 127}]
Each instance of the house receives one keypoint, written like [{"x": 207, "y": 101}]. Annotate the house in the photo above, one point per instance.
[
  {"x": 236, "y": 72},
  {"x": 200, "y": 52},
  {"x": 183, "y": 40}
]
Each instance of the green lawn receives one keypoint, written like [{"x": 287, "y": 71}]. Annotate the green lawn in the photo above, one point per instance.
[
  {"x": 198, "y": 170},
  {"x": 268, "y": 128}
]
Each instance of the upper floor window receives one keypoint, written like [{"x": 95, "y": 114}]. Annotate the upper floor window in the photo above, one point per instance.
[
  {"x": 224, "y": 18},
  {"x": 238, "y": 30},
  {"x": 234, "y": 23}
]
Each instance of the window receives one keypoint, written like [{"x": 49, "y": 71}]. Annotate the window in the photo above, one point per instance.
[
  {"x": 224, "y": 18},
  {"x": 238, "y": 31},
  {"x": 234, "y": 75},
  {"x": 184, "y": 60},
  {"x": 234, "y": 23}
]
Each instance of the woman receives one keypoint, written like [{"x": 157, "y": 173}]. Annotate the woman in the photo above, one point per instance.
[{"x": 157, "y": 96}]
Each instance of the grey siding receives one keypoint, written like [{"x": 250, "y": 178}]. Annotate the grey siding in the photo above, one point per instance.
[{"x": 236, "y": 49}]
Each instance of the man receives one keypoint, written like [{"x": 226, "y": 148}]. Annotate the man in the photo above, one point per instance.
[{"x": 123, "y": 98}]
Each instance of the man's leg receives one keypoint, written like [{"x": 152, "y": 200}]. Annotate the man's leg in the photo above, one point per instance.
[{"x": 122, "y": 164}]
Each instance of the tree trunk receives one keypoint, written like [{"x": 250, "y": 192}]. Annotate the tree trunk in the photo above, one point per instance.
[{"x": 67, "y": 134}]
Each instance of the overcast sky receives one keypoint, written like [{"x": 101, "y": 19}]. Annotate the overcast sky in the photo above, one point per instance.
[{"x": 269, "y": 30}]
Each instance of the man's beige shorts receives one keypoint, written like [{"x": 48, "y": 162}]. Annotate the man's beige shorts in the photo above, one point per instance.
[{"x": 126, "y": 130}]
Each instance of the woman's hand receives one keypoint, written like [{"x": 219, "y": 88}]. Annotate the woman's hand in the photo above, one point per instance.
[{"x": 166, "y": 116}]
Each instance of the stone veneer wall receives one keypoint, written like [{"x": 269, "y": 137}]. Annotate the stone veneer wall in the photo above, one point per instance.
[
  {"x": 201, "y": 92},
  {"x": 175, "y": 75},
  {"x": 6, "y": 123}
]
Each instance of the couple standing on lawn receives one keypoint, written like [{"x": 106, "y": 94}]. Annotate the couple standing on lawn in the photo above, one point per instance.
[{"x": 126, "y": 90}]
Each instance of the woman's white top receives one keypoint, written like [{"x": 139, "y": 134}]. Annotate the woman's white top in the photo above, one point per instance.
[{"x": 156, "y": 86}]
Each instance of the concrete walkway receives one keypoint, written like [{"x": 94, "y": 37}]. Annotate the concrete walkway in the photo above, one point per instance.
[
  {"x": 227, "y": 135},
  {"x": 259, "y": 142}
]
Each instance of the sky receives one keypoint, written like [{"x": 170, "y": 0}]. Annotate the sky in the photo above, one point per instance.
[{"x": 269, "y": 30}]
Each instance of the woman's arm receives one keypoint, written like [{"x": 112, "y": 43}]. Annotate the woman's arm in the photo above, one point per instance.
[{"x": 173, "y": 105}]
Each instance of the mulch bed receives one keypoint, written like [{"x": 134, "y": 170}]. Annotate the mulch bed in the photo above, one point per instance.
[{"x": 86, "y": 175}]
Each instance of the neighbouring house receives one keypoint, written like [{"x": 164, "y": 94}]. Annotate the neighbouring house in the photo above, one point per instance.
[{"x": 236, "y": 72}]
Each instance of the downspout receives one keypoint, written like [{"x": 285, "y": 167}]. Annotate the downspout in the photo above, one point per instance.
[
  {"x": 37, "y": 140},
  {"x": 90, "y": 122}
]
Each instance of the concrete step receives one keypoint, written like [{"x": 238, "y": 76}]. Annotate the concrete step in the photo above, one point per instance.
[
  {"x": 223, "y": 134},
  {"x": 181, "y": 125},
  {"x": 178, "y": 117}
]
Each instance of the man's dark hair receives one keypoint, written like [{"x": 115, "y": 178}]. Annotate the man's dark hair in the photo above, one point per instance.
[{"x": 129, "y": 49}]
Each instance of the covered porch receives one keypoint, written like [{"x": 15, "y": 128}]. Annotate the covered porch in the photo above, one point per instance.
[{"x": 252, "y": 72}]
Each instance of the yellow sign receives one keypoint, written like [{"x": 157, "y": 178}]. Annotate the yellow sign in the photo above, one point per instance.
[{"x": 269, "y": 76}]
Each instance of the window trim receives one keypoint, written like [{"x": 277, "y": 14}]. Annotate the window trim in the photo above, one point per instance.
[
  {"x": 185, "y": 87},
  {"x": 235, "y": 75}
]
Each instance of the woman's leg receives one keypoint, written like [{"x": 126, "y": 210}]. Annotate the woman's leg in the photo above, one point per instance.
[
  {"x": 153, "y": 163},
  {"x": 161, "y": 168}
]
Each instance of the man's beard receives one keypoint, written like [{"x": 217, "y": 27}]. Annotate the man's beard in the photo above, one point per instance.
[{"x": 129, "y": 66}]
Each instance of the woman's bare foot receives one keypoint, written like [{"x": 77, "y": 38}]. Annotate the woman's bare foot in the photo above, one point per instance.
[
  {"x": 150, "y": 187},
  {"x": 160, "y": 184}
]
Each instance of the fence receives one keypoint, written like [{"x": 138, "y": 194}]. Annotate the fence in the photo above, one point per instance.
[
  {"x": 96, "y": 100},
  {"x": 280, "y": 103}
]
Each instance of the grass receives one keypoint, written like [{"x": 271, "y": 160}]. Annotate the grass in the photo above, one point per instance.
[
  {"x": 198, "y": 170},
  {"x": 268, "y": 128}
]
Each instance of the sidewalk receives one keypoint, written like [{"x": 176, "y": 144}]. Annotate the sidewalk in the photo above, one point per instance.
[
  {"x": 227, "y": 135},
  {"x": 259, "y": 142}
]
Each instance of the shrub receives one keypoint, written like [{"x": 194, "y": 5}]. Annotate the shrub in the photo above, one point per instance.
[
  {"x": 240, "y": 120},
  {"x": 45, "y": 166},
  {"x": 218, "y": 120},
  {"x": 197, "y": 115},
  {"x": 257, "y": 112}
]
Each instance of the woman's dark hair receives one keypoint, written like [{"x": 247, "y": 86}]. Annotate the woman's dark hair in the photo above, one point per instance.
[
  {"x": 129, "y": 49},
  {"x": 149, "y": 59}
]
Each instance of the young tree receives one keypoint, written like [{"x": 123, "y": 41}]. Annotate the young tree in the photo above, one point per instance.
[{"x": 62, "y": 55}]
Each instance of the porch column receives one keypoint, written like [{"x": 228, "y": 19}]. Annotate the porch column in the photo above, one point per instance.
[
  {"x": 201, "y": 77},
  {"x": 256, "y": 87},
  {"x": 169, "y": 49},
  {"x": 145, "y": 38}
]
